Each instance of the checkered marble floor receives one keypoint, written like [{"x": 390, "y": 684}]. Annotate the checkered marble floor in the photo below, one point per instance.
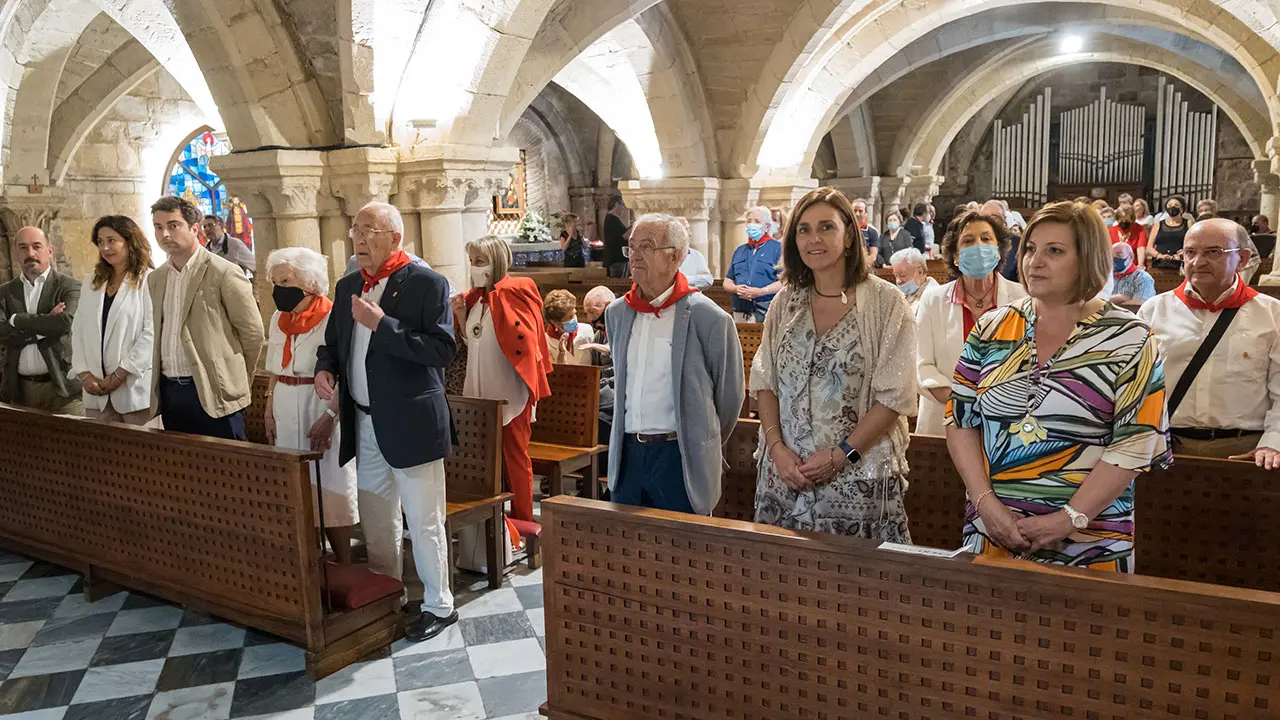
[{"x": 132, "y": 657}]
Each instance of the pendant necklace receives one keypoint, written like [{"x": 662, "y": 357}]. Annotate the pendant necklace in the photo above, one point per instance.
[
  {"x": 844, "y": 297},
  {"x": 1028, "y": 429},
  {"x": 478, "y": 328}
]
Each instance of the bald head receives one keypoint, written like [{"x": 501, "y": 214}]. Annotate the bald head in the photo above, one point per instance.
[
  {"x": 1229, "y": 232},
  {"x": 33, "y": 251},
  {"x": 993, "y": 207}
]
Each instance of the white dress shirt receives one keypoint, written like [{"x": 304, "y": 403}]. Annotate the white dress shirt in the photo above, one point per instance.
[
  {"x": 651, "y": 399},
  {"x": 360, "y": 337},
  {"x": 1239, "y": 386},
  {"x": 490, "y": 375},
  {"x": 695, "y": 268},
  {"x": 30, "y": 361},
  {"x": 174, "y": 362}
]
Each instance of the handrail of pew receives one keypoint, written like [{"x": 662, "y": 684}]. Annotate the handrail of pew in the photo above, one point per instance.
[{"x": 658, "y": 614}]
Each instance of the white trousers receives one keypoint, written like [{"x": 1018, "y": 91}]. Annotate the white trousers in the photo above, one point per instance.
[{"x": 420, "y": 490}]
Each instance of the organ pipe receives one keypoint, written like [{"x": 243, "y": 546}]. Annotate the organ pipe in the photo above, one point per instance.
[
  {"x": 1186, "y": 148},
  {"x": 1020, "y": 154}
]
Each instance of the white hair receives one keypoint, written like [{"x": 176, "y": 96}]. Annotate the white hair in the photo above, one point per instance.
[
  {"x": 599, "y": 294},
  {"x": 388, "y": 213},
  {"x": 677, "y": 233},
  {"x": 312, "y": 268},
  {"x": 910, "y": 256},
  {"x": 763, "y": 212}
]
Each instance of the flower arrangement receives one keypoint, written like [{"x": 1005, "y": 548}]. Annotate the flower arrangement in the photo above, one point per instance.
[{"x": 533, "y": 229}]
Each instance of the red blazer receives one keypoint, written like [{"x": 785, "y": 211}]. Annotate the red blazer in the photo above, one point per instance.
[
  {"x": 517, "y": 320},
  {"x": 1137, "y": 237}
]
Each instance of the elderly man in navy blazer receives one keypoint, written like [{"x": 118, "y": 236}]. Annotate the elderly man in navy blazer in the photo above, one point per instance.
[
  {"x": 678, "y": 379},
  {"x": 389, "y": 340}
]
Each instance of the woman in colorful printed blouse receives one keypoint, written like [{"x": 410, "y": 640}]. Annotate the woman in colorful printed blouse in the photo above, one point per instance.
[{"x": 1058, "y": 403}]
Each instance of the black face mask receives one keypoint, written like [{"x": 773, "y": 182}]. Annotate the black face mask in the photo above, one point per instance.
[
  {"x": 1174, "y": 211},
  {"x": 287, "y": 298},
  {"x": 1125, "y": 225}
]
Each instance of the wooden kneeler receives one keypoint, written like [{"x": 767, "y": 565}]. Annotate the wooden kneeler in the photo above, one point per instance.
[{"x": 532, "y": 533}]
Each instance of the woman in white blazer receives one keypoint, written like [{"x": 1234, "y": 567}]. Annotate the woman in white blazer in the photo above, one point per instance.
[
  {"x": 112, "y": 333},
  {"x": 973, "y": 247}
]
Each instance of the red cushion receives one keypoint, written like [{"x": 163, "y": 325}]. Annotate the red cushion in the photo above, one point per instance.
[
  {"x": 527, "y": 528},
  {"x": 354, "y": 586}
]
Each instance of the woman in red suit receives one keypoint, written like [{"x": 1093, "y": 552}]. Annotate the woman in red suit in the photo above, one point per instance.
[
  {"x": 1127, "y": 230},
  {"x": 500, "y": 319}
]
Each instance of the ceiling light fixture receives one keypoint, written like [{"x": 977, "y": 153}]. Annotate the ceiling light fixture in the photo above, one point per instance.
[{"x": 1072, "y": 44}]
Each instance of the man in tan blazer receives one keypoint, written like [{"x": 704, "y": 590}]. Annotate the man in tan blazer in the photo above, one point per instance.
[{"x": 208, "y": 330}]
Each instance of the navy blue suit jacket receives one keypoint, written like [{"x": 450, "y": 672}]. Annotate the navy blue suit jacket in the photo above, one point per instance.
[{"x": 405, "y": 365}]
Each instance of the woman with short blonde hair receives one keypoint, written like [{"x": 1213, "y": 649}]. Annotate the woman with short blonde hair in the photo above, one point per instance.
[{"x": 1058, "y": 403}]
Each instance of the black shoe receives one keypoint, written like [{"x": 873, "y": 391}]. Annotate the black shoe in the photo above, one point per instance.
[{"x": 427, "y": 626}]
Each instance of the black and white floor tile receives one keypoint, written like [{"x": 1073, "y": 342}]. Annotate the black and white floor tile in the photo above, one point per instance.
[{"x": 131, "y": 657}]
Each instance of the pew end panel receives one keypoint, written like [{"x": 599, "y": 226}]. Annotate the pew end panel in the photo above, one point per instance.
[
  {"x": 935, "y": 498},
  {"x": 738, "y": 490},
  {"x": 473, "y": 478},
  {"x": 657, "y": 614},
  {"x": 566, "y": 431}
]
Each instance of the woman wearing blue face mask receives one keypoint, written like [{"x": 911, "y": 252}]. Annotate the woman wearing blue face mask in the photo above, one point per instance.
[
  {"x": 973, "y": 247},
  {"x": 893, "y": 239},
  {"x": 752, "y": 277}
]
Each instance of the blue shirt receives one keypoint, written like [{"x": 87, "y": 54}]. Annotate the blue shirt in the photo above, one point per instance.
[
  {"x": 1138, "y": 285},
  {"x": 755, "y": 268}
]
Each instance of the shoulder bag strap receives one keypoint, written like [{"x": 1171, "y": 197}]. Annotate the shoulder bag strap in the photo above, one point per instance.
[{"x": 1202, "y": 355}]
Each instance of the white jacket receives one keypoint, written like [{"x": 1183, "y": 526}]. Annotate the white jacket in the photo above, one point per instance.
[
  {"x": 129, "y": 340},
  {"x": 941, "y": 338}
]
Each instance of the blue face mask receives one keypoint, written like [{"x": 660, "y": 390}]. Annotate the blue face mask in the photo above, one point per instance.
[
  {"x": 909, "y": 287},
  {"x": 1110, "y": 222},
  {"x": 891, "y": 226},
  {"x": 755, "y": 231},
  {"x": 977, "y": 261},
  {"x": 1119, "y": 264},
  {"x": 569, "y": 327}
]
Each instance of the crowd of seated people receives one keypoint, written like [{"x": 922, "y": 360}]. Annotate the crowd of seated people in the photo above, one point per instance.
[{"x": 1054, "y": 390}]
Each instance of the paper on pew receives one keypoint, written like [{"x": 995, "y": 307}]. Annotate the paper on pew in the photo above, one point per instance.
[{"x": 918, "y": 550}]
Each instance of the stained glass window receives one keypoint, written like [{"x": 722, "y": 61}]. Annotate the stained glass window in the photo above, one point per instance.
[{"x": 192, "y": 178}]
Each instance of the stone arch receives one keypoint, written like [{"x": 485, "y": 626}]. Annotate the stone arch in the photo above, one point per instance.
[
  {"x": 85, "y": 107},
  {"x": 546, "y": 164},
  {"x": 814, "y": 67},
  {"x": 549, "y": 109},
  {"x": 263, "y": 88},
  {"x": 938, "y": 128}
]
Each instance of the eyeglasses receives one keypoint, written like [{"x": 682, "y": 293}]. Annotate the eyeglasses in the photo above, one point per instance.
[
  {"x": 1210, "y": 254},
  {"x": 359, "y": 232},
  {"x": 646, "y": 250}
]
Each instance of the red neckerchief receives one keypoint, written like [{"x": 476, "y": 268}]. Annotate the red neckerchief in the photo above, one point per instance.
[
  {"x": 556, "y": 335},
  {"x": 393, "y": 263},
  {"x": 291, "y": 323},
  {"x": 1133, "y": 268},
  {"x": 1242, "y": 295},
  {"x": 640, "y": 305},
  {"x": 755, "y": 244}
]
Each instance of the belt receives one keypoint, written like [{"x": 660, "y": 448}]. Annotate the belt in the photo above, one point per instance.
[
  {"x": 187, "y": 380},
  {"x": 38, "y": 378},
  {"x": 1212, "y": 433},
  {"x": 653, "y": 439},
  {"x": 296, "y": 381}
]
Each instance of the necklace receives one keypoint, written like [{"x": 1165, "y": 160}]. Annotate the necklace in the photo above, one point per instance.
[
  {"x": 844, "y": 297},
  {"x": 478, "y": 328},
  {"x": 1028, "y": 429},
  {"x": 981, "y": 300}
]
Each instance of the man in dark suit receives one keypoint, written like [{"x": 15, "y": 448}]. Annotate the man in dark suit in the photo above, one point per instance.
[
  {"x": 388, "y": 343},
  {"x": 915, "y": 227},
  {"x": 36, "y": 310}
]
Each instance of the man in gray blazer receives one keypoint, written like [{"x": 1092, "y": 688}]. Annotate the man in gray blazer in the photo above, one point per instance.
[
  {"x": 678, "y": 379},
  {"x": 36, "y": 310}
]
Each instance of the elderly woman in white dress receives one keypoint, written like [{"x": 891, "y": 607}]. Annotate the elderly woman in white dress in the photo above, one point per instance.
[
  {"x": 833, "y": 382},
  {"x": 973, "y": 247},
  {"x": 296, "y": 417}
]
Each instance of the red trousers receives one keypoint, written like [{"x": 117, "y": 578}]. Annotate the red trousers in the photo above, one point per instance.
[{"x": 516, "y": 463}]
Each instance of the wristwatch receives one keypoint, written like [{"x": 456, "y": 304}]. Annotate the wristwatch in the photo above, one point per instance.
[
  {"x": 1079, "y": 520},
  {"x": 850, "y": 453}
]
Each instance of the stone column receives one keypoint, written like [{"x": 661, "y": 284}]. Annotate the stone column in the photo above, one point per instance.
[
  {"x": 893, "y": 193},
  {"x": 922, "y": 189},
  {"x": 1269, "y": 195},
  {"x": 450, "y": 187},
  {"x": 582, "y": 202},
  {"x": 785, "y": 197},
  {"x": 690, "y": 198},
  {"x": 283, "y": 186},
  {"x": 19, "y": 209},
  {"x": 865, "y": 188},
  {"x": 357, "y": 177},
  {"x": 736, "y": 196}
]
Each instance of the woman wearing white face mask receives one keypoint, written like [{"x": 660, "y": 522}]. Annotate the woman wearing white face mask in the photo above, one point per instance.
[
  {"x": 500, "y": 320},
  {"x": 973, "y": 247}
]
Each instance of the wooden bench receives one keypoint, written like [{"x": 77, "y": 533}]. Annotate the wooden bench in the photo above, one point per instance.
[
  {"x": 567, "y": 427},
  {"x": 749, "y": 336},
  {"x": 1204, "y": 519},
  {"x": 473, "y": 474},
  {"x": 657, "y": 614},
  {"x": 225, "y": 527}
]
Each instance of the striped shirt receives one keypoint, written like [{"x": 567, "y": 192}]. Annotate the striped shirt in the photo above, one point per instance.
[{"x": 174, "y": 362}]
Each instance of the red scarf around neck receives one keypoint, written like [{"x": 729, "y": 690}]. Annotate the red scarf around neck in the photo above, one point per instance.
[
  {"x": 1242, "y": 295},
  {"x": 1133, "y": 268},
  {"x": 295, "y": 323},
  {"x": 393, "y": 263},
  {"x": 640, "y": 305},
  {"x": 755, "y": 244}
]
